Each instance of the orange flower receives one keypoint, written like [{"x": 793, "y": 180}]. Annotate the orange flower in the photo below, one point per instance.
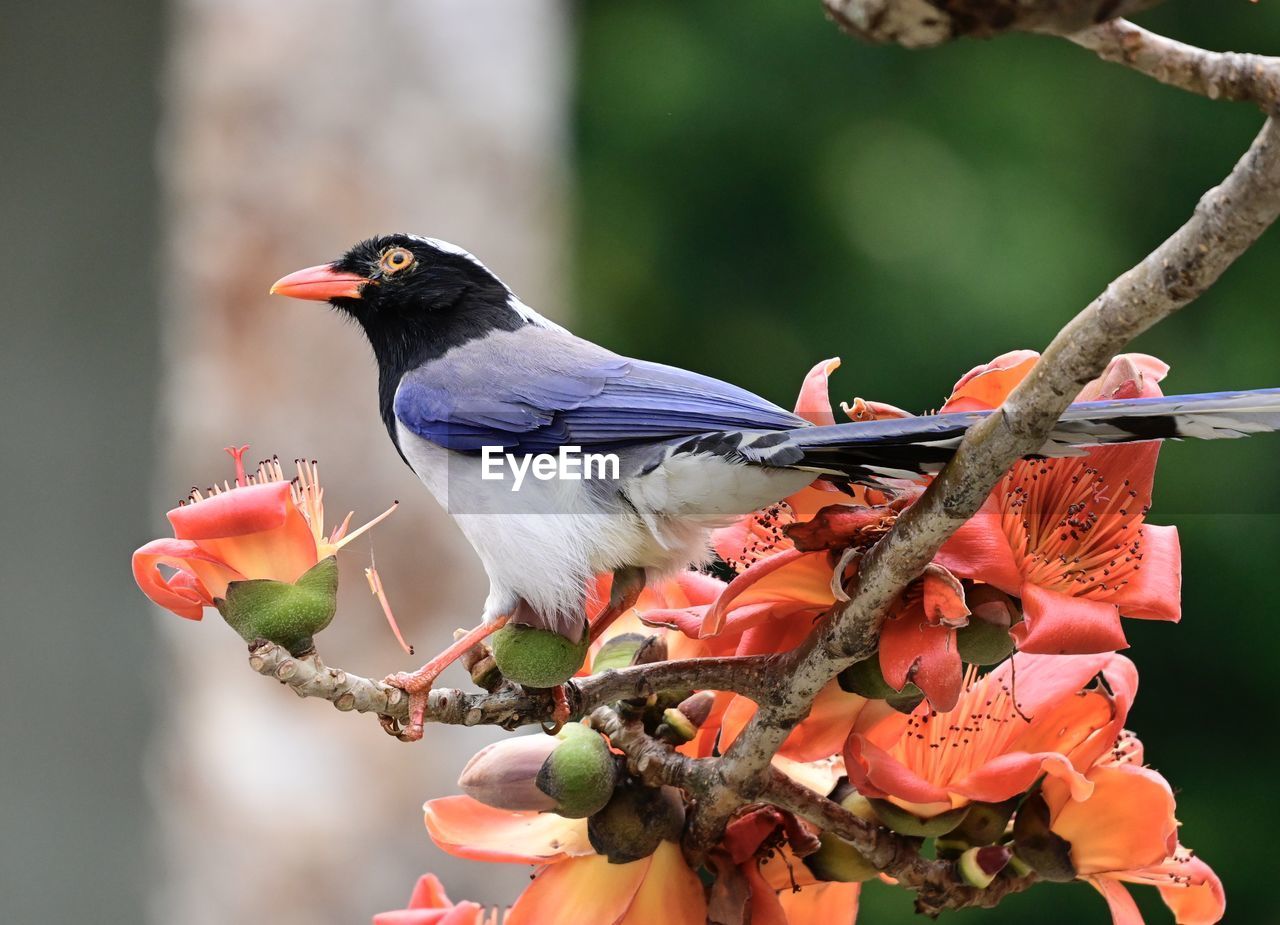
[
  {"x": 429, "y": 905},
  {"x": 1125, "y": 831},
  {"x": 1033, "y": 715},
  {"x": 760, "y": 867},
  {"x": 574, "y": 886},
  {"x": 263, "y": 526},
  {"x": 1068, "y": 536}
]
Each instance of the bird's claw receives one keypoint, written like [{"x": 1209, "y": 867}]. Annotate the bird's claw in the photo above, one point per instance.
[
  {"x": 560, "y": 711},
  {"x": 417, "y": 686}
]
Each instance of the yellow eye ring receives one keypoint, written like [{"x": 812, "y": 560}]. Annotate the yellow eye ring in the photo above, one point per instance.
[{"x": 396, "y": 259}]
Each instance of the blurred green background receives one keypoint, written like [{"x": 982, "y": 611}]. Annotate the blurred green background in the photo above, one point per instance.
[{"x": 756, "y": 191}]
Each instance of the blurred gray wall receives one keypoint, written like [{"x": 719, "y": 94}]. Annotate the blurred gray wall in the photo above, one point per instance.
[
  {"x": 77, "y": 386},
  {"x": 290, "y": 131}
]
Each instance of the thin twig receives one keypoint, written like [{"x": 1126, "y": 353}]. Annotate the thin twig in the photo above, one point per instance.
[{"x": 1218, "y": 75}]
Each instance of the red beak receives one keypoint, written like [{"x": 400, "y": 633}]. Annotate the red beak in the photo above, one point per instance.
[{"x": 319, "y": 284}]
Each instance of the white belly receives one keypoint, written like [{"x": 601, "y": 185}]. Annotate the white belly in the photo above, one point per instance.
[{"x": 543, "y": 542}]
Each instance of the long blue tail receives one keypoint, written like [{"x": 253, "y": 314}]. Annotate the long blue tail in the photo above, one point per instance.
[{"x": 912, "y": 446}]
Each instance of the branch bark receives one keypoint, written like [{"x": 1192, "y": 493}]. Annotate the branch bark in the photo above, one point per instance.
[
  {"x": 1218, "y": 75},
  {"x": 925, "y": 23},
  {"x": 510, "y": 706}
]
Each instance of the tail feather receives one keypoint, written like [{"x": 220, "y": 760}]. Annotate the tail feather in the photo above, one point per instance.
[{"x": 908, "y": 447}]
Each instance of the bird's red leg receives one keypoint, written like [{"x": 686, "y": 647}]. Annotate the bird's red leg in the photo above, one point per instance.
[
  {"x": 627, "y": 585},
  {"x": 559, "y": 712},
  {"x": 417, "y": 684}
]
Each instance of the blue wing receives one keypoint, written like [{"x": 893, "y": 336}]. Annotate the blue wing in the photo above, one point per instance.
[{"x": 535, "y": 389}]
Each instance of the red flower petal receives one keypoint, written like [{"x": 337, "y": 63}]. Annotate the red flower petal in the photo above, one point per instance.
[
  {"x": 1154, "y": 591},
  {"x": 913, "y": 650},
  {"x": 1059, "y": 624},
  {"x": 469, "y": 829},
  {"x": 814, "y": 402},
  {"x": 183, "y": 593}
]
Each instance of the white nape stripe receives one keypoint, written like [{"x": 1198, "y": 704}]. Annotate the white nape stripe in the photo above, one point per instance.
[{"x": 524, "y": 311}]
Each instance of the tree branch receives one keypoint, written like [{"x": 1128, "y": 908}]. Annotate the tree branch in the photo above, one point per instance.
[
  {"x": 509, "y": 706},
  {"x": 1226, "y": 222},
  {"x": 1218, "y": 75},
  {"x": 925, "y": 23}
]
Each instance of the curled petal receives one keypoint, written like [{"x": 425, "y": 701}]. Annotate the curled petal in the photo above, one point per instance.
[
  {"x": 1060, "y": 624},
  {"x": 469, "y": 829},
  {"x": 1129, "y": 375},
  {"x": 913, "y": 650},
  {"x": 814, "y": 402},
  {"x": 1126, "y": 823},
  {"x": 876, "y": 773},
  {"x": 988, "y": 385},
  {"x": 184, "y": 593},
  {"x": 1196, "y": 897},
  {"x": 788, "y": 577},
  {"x": 1124, "y": 911}
]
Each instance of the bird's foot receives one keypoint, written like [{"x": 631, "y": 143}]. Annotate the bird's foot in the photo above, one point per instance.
[
  {"x": 418, "y": 684},
  {"x": 627, "y": 584},
  {"x": 560, "y": 711}
]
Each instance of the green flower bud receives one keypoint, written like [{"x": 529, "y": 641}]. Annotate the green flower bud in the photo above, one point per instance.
[
  {"x": 948, "y": 848},
  {"x": 504, "y": 775},
  {"x": 535, "y": 657},
  {"x": 986, "y": 640},
  {"x": 635, "y": 821},
  {"x": 983, "y": 643},
  {"x": 865, "y": 679},
  {"x": 675, "y": 727},
  {"x": 286, "y": 614},
  {"x": 838, "y": 860},
  {"x": 580, "y": 774},
  {"x": 653, "y": 649},
  {"x": 985, "y": 823},
  {"x": 617, "y": 652},
  {"x": 905, "y": 822},
  {"x": 1038, "y": 846},
  {"x": 979, "y": 866}
]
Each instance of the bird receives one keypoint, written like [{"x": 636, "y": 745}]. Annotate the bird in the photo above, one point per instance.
[{"x": 473, "y": 385}]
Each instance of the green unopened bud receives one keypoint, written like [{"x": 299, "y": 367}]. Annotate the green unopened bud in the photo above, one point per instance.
[
  {"x": 986, "y": 640},
  {"x": 536, "y": 657},
  {"x": 907, "y": 701},
  {"x": 617, "y": 652},
  {"x": 1038, "y": 846},
  {"x": 985, "y": 823},
  {"x": 504, "y": 775},
  {"x": 865, "y": 679},
  {"x": 580, "y": 774},
  {"x": 983, "y": 643},
  {"x": 286, "y": 614},
  {"x": 948, "y": 848},
  {"x": 838, "y": 860},
  {"x": 849, "y": 798},
  {"x": 675, "y": 727},
  {"x": 635, "y": 821},
  {"x": 697, "y": 707},
  {"x": 905, "y": 822},
  {"x": 653, "y": 649},
  {"x": 979, "y": 866}
]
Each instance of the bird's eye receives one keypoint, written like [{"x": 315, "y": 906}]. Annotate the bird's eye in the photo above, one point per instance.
[{"x": 396, "y": 259}]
